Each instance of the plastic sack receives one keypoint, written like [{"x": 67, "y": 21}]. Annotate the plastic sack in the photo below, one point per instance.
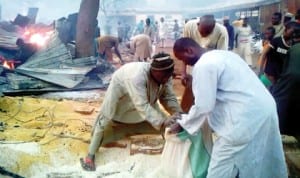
[
  {"x": 263, "y": 78},
  {"x": 175, "y": 157},
  {"x": 199, "y": 156}
]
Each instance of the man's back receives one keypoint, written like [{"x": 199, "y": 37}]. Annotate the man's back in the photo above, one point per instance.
[
  {"x": 233, "y": 90},
  {"x": 107, "y": 42},
  {"x": 142, "y": 45}
]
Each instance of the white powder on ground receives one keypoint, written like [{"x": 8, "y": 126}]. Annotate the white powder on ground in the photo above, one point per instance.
[
  {"x": 114, "y": 163},
  {"x": 29, "y": 148},
  {"x": 110, "y": 162}
]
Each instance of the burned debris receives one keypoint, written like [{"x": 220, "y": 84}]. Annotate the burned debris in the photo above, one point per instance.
[{"x": 35, "y": 60}]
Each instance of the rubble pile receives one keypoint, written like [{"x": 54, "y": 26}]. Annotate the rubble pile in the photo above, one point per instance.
[{"x": 51, "y": 68}]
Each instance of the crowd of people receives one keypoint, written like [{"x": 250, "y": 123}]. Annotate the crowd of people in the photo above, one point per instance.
[{"x": 222, "y": 91}]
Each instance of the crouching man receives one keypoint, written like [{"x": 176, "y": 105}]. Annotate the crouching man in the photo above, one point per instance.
[
  {"x": 141, "y": 46},
  {"x": 132, "y": 97}
]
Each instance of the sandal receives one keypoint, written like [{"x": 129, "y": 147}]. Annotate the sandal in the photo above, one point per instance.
[{"x": 88, "y": 164}]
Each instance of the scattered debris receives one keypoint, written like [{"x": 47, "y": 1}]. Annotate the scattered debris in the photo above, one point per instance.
[
  {"x": 8, "y": 173},
  {"x": 2, "y": 127},
  {"x": 8, "y": 40},
  {"x": 17, "y": 82},
  {"x": 64, "y": 175},
  {"x": 84, "y": 109},
  {"x": 108, "y": 174},
  {"x": 146, "y": 144},
  {"x": 117, "y": 144}
]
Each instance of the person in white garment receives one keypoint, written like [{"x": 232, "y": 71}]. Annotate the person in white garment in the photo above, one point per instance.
[
  {"x": 240, "y": 111},
  {"x": 243, "y": 42},
  {"x": 163, "y": 32},
  {"x": 132, "y": 97},
  {"x": 208, "y": 34}
]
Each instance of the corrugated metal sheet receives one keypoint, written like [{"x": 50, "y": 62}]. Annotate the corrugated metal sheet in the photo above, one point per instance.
[
  {"x": 8, "y": 40},
  {"x": 50, "y": 64}
]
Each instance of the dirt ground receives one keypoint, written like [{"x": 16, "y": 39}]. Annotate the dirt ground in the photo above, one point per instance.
[{"x": 44, "y": 136}]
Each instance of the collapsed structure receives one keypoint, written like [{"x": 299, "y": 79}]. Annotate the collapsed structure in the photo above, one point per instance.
[{"x": 51, "y": 68}]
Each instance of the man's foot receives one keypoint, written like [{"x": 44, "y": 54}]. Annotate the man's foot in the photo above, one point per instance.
[{"x": 88, "y": 164}]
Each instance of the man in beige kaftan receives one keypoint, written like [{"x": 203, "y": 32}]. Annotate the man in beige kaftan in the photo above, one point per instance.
[{"x": 132, "y": 97}]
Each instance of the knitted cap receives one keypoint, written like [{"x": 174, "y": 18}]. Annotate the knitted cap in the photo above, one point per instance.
[{"x": 162, "y": 63}]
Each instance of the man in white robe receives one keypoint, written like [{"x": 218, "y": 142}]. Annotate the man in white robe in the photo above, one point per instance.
[
  {"x": 243, "y": 41},
  {"x": 240, "y": 111},
  {"x": 132, "y": 97},
  {"x": 208, "y": 34},
  {"x": 163, "y": 32}
]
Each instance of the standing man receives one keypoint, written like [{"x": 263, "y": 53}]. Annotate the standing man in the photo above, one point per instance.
[
  {"x": 286, "y": 90},
  {"x": 277, "y": 24},
  {"x": 238, "y": 108},
  {"x": 127, "y": 32},
  {"x": 105, "y": 45},
  {"x": 148, "y": 29},
  {"x": 274, "y": 56},
  {"x": 209, "y": 35},
  {"x": 176, "y": 30},
  {"x": 132, "y": 97},
  {"x": 121, "y": 31},
  {"x": 141, "y": 46},
  {"x": 139, "y": 28},
  {"x": 243, "y": 41},
  {"x": 230, "y": 31},
  {"x": 267, "y": 38},
  {"x": 163, "y": 32},
  {"x": 156, "y": 31}
]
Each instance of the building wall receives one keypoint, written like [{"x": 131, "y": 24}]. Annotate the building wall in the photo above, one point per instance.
[
  {"x": 284, "y": 6},
  {"x": 266, "y": 13},
  {"x": 291, "y": 5}
]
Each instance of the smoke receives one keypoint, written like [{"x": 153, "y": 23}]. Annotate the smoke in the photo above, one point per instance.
[{"x": 49, "y": 10}]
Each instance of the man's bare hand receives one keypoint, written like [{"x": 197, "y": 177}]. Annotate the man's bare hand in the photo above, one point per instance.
[
  {"x": 175, "y": 128},
  {"x": 168, "y": 122},
  {"x": 175, "y": 116},
  {"x": 187, "y": 80}
]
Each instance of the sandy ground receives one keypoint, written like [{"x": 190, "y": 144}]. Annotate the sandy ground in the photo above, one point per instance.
[{"x": 45, "y": 136}]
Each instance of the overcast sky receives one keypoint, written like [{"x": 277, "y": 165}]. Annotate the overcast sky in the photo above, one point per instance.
[{"x": 50, "y": 10}]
